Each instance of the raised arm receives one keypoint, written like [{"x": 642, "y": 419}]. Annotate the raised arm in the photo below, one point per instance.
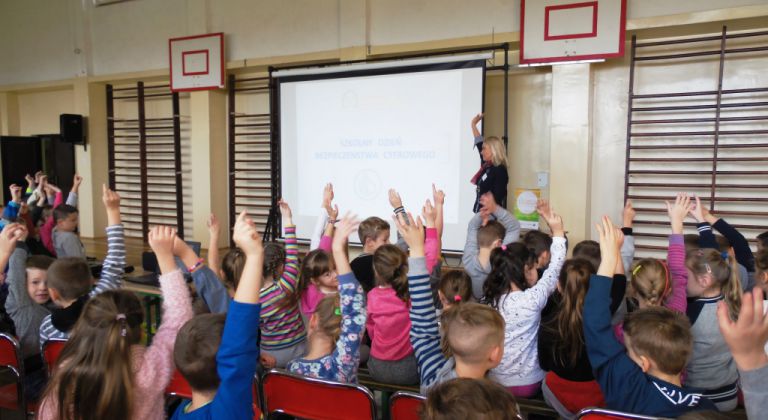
[
  {"x": 13, "y": 253},
  {"x": 678, "y": 274},
  {"x": 291, "y": 270},
  {"x": 478, "y": 138},
  {"x": 214, "y": 233},
  {"x": 739, "y": 243},
  {"x": 209, "y": 287},
  {"x": 114, "y": 263},
  {"x": 548, "y": 282},
  {"x": 438, "y": 196},
  {"x": 323, "y": 232},
  {"x": 431, "y": 251},
  {"x": 72, "y": 197}
]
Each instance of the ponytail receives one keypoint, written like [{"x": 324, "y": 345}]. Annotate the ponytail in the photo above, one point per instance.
[
  {"x": 732, "y": 289},
  {"x": 390, "y": 265},
  {"x": 508, "y": 265},
  {"x": 724, "y": 271}
]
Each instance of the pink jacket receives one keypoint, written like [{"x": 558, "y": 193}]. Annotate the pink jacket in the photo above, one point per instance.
[
  {"x": 153, "y": 365},
  {"x": 388, "y": 325},
  {"x": 46, "y": 230}
]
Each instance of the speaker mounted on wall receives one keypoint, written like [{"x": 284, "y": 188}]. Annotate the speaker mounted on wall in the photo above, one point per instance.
[{"x": 72, "y": 128}]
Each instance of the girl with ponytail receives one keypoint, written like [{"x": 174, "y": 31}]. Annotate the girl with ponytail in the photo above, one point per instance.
[
  {"x": 104, "y": 371},
  {"x": 712, "y": 276}
]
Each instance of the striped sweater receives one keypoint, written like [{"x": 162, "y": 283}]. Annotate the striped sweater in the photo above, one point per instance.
[
  {"x": 111, "y": 278},
  {"x": 281, "y": 325}
]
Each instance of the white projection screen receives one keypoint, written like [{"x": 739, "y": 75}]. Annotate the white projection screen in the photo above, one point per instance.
[{"x": 371, "y": 129}]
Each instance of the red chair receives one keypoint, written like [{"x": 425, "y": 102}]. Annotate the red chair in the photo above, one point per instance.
[
  {"x": 405, "y": 405},
  {"x": 12, "y": 395},
  {"x": 51, "y": 352},
  {"x": 316, "y": 399},
  {"x": 605, "y": 414},
  {"x": 257, "y": 413},
  {"x": 178, "y": 387}
]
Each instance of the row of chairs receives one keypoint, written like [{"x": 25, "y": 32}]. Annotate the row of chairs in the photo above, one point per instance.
[{"x": 275, "y": 393}]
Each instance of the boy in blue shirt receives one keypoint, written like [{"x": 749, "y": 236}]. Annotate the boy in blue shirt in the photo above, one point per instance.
[
  {"x": 219, "y": 366},
  {"x": 644, "y": 378}
]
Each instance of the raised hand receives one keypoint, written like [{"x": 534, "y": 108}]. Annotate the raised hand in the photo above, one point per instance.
[
  {"x": 610, "y": 244},
  {"x": 553, "y": 220},
  {"x": 678, "y": 210},
  {"x": 477, "y": 118},
  {"x": 344, "y": 228},
  {"x": 15, "y": 192},
  {"x": 214, "y": 228},
  {"x": 429, "y": 213},
  {"x": 11, "y": 234},
  {"x": 628, "y": 214},
  {"x": 161, "y": 240},
  {"x": 110, "y": 198},
  {"x": 30, "y": 180},
  {"x": 412, "y": 232},
  {"x": 246, "y": 237},
  {"x": 488, "y": 203},
  {"x": 438, "y": 196},
  {"x": 747, "y": 336},
  {"x": 285, "y": 210},
  {"x": 701, "y": 213},
  {"x": 327, "y": 196},
  {"x": 76, "y": 181},
  {"x": 394, "y": 199}
]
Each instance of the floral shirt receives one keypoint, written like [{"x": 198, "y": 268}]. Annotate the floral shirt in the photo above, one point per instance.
[{"x": 341, "y": 364}]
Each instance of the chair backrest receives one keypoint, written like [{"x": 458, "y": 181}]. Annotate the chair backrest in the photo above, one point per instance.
[
  {"x": 317, "y": 399},
  {"x": 405, "y": 405},
  {"x": 179, "y": 387},
  {"x": 590, "y": 413},
  {"x": 257, "y": 413},
  {"x": 51, "y": 352},
  {"x": 12, "y": 395}
]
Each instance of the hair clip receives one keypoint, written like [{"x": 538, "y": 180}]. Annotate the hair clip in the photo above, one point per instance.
[
  {"x": 337, "y": 311},
  {"x": 457, "y": 298},
  {"x": 503, "y": 247},
  {"x": 636, "y": 270},
  {"x": 708, "y": 268},
  {"x": 725, "y": 255},
  {"x": 122, "y": 319}
]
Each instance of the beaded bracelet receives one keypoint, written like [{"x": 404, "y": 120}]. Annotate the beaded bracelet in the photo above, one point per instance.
[{"x": 196, "y": 265}]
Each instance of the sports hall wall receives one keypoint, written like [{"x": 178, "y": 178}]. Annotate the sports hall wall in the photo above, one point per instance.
[{"x": 57, "y": 55}]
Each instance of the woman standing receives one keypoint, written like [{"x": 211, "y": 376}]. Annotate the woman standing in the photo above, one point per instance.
[{"x": 492, "y": 175}]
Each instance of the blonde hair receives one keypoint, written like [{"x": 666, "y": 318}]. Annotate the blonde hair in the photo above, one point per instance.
[
  {"x": 470, "y": 331},
  {"x": 650, "y": 281},
  {"x": 725, "y": 274},
  {"x": 328, "y": 313},
  {"x": 498, "y": 150}
]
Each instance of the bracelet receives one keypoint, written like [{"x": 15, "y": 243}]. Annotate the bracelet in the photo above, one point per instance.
[
  {"x": 398, "y": 210},
  {"x": 333, "y": 221},
  {"x": 196, "y": 265}
]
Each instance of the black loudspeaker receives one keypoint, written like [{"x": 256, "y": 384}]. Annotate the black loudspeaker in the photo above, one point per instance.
[{"x": 71, "y": 127}]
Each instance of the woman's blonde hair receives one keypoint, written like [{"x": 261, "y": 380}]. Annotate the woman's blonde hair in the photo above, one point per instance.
[
  {"x": 724, "y": 271},
  {"x": 498, "y": 150},
  {"x": 94, "y": 379}
]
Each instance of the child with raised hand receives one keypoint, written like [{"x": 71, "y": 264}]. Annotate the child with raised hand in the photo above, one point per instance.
[
  {"x": 747, "y": 339},
  {"x": 26, "y": 301},
  {"x": 214, "y": 232},
  {"x": 711, "y": 279},
  {"x": 210, "y": 289},
  {"x": 104, "y": 371},
  {"x": 323, "y": 232},
  {"x": 336, "y": 327},
  {"x": 218, "y": 357},
  {"x": 70, "y": 282},
  {"x": 489, "y": 229},
  {"x": 455, "y": 287},
  {"x": 520, "y": 303},
  {"x": 644, "y": 378},
  {"x": 473, "y": 340},
  {"x": 282, "y": 331}
]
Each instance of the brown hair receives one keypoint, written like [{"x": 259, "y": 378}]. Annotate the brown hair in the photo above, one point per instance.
[
  {"x": 650, "y": 281},
  {"x": 662, "y": 335},
  {"x": 464, "y": 398},
  {"x": 691, "y": 241},
  {"x": 328, "y": 312},
  {"x": 762, "y": 240},
  {"x": 40, "y": 262},
  {"x": 274, "y": 260},
  {"x": 315, "y": 264},
  {"x": 195, "y": 351},
  {"x": 725, "y": 274},
  {"x": 491, "y": 232},
  {"x": 761, "y": 267},
  {"x": 470, "y": 331},
  {"x": 70, "y": 277},
  {"x": 537, "y": 241},
  {"x": 568, "y": 322},
  {"x": 390, "y": 265},
  {"x": 62, "y": 212},
  {"x": 94, "y": 379},
  {"x": 456, "y": 286},
  {"x": 371, "y": 228},
  {"x": 588, "y": 250},
  {"x": 232, "y": 266}
]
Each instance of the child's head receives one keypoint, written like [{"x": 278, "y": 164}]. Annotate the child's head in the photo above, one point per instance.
[
  {"x": 761, "y": 269},
  {"x": 573, "y": 285},
  {"x": 490, "y": 235},
  {"x": 326, "y": 320},
  {"x": 373, "y": 232},
  {"x": 274, "y": 260},
  {"x": 96, "y": 376},
  {"x": 588, "y": 250},
  {"x": 711, "y": 272},
  {"x": 473, "y": 334},
  {"x": 691, "y": 241},
  {"x": 455, "y": 287},
  {"x": 37, "y": 283},
  {"x": 195, "y": 351},
  {"x": 68, "y": 279},
  {"x": 318, "y": 269},
  {"x": 658, "y": 338},
  {"x": 650, "y": 282},
  {"x": 493, "y": 151},
  {"x": 232, "y": 266},
  {"x": 464, "y": 398},
  {"x": 511, "y": 265},
  {"x": 65, "y": 217},
  {"x": 540, "y": 243},
  {"x": 762, "y": 241},
  {"x": 390, "y": 267}
]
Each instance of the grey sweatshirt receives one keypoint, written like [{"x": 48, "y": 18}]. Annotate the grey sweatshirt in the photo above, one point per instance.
[
  {"x": 753, "y": 385},
  {"x": 477, "y": 271},
  {"x": 27, "y": 315}
]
